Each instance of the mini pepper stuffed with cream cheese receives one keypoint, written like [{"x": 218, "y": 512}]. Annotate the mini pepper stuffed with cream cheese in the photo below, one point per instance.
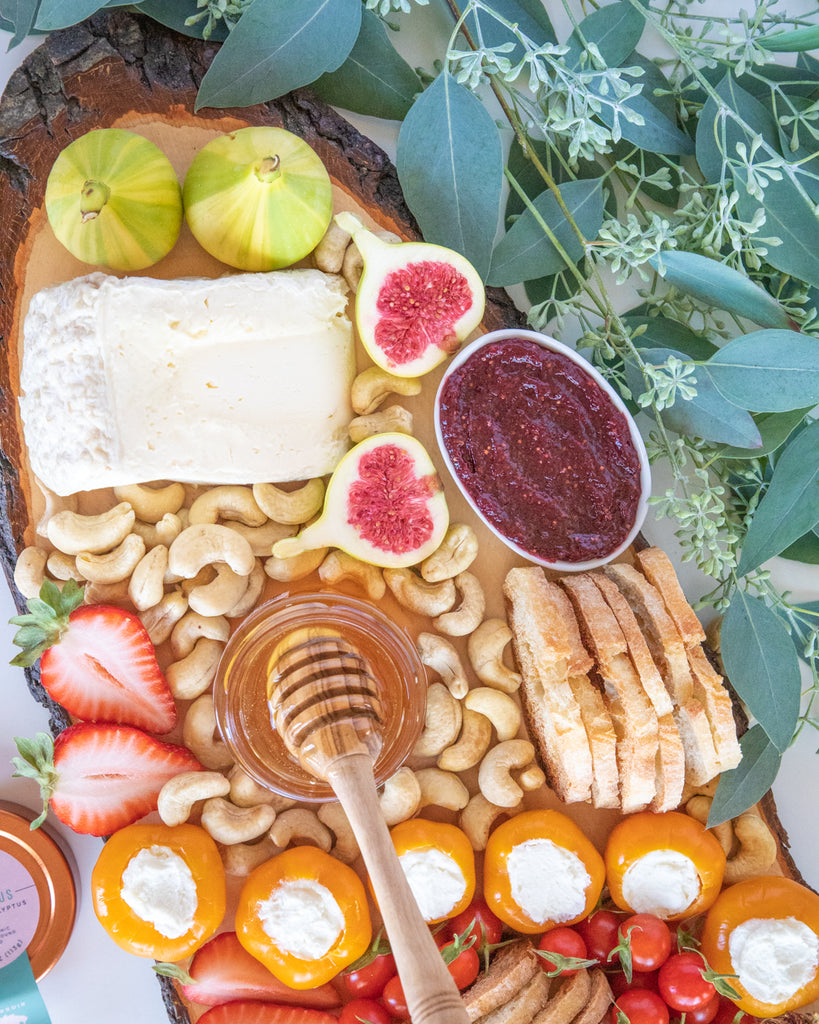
[
  {"x": 159, "y": 891},
  {"x": 439, "y": 865},
  {"x": 541, "y": 871}
]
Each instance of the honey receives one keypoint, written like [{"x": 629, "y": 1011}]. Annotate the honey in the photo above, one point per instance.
[{"x": 241, "y": 697}]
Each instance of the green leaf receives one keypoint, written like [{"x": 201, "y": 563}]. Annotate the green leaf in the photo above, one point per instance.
[
  {"x": 174, "y": 13},
  {"x": 804, "y": 156},
  {"x": 768, "y": 371},
  {"x": 722, "y": 126},
  {"x": 708, "y": 415},
  {"x": 527, "y": 176},
  {"x": 806, "y": 549},
  {"x": 657, "y": 134},
  {"x": 715, "y": 284},
  {"x": 529, "y": 15},
  {"x": 19, "y": 17},
  {"x": 615, "y": 29},
  {"x": 276, "y": 47},
  {"x": 374, "y": 80},
  {"x": 662, "y": 332},
  {"x": 525, "y": 252},
  {"x": 774, "y": 428},
  {"x": 808, "y": 63},
  {"x": 790, "y": 506},
  {"x": 54, "y": 14},
  {"x": 791, "y": 42},
  {"x": 745, "y": 785},
  {"x": 450, "y": 166},
  {"x": 763, "y": 666}
]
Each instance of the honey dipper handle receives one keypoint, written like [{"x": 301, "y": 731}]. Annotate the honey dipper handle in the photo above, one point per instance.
[{"x": 431, "y": 995}]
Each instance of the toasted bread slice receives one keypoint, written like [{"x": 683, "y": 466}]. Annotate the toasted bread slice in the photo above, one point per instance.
[
  {"x": 523, "y": 1006},
  {"x": 543, "y": 650},
  {"x": 670, "y": 765},
  {"x": 511, "y": 968},
  {"x": 568, "y": 1001},
  {"x": 658, "y": 570},
  {"x": 600, "y": 999},
  {"x": 634, "y": 719}
]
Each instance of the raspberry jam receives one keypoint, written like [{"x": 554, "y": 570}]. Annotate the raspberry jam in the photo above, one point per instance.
[{"x": 542, "y": 451}]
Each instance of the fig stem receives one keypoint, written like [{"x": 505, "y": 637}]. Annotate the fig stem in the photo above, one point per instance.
[
  {"x": 268, "y": 169},
  {"x": 93, "y": 197}
]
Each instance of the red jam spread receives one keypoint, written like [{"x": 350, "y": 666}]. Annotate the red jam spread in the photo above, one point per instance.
[{"x": 542, "y": 451}]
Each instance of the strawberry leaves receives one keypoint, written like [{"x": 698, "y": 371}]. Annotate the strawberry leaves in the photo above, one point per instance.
[
  {"x": 46, "y": 620},
  {"x": 36, "y": 761}
]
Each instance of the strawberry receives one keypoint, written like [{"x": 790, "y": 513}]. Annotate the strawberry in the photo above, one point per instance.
[
  {"x": 95, "y": 660},
  {"x": 251, "y": 1011},
  {"x": 99, "y": 777},
  {"x": 223, "y": 970}
]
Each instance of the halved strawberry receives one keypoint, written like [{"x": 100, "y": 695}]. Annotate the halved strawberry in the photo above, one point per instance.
[
  {"x": 223, "y": 971},
  {"x": 251, "y": 1011},
  {"x": 99, "y": 777},
  {"x": 95, "y": 660}
]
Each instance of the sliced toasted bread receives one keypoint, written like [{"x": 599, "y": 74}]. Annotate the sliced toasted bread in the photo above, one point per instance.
[
  {"x": 511, "y": 968},
  {"x": 600, "y": 999},
  {"x": 523, "y": 1006},
  {"x": 657, "y": 568},
  {"x": 567, "y": 1002},
  {"x": 543, "y": 651},
  {"x": 701, "y": 761},
  {"x": 634, "y": 719}
]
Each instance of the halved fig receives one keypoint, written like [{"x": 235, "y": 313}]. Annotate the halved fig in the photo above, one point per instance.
[
  {"x": 384, "y": 505},
  {"x": 415, "y": 303}
]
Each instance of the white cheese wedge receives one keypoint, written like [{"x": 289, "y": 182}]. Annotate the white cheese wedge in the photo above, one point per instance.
[{"x": 242, "y": 379}]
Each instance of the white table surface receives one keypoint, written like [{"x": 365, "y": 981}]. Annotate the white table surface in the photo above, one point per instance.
[{"x": 95, "y": 981}]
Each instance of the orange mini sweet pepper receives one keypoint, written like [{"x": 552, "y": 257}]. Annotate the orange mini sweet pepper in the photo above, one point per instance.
[
  {"x": 767, "y": 897},
  {"x": 303, "y": 864},
  {"x": 529, "y": 827},
  {"x": 418, "y": 834},
  {"x": 123, "y": 924},
  {"x": 646, "y": 832}
]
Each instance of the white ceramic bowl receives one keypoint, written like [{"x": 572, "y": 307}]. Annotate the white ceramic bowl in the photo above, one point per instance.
[{"x": 645, "y": 473}]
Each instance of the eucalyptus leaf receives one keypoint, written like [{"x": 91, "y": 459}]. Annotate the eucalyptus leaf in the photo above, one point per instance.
[
  {"x": 615, "y": 29},
  {"x": 769, "y": 80},
  {"x": 735, "y": 119},
  {"x": 800, "y": 147},
  {"x": 774, "y": 428},
  {"x": 718, "y": 285},
  {"x": 276, "y": 47},
  {"x": 53, "y": 14},
  {"x": 762, "y": 664},
  {"x": 553, "y": 156},
  {"x": 529, "y": 15},
  {"x": 657, "y": 133},
  {"x": 745, "y": 785},
  {"x": 450, "y": 166},
  {"x": 791, "y": 42},
  {"x": 805, "y": 549},
  {"x": 19, "y": 17},
  {"x": 804, "y": 60},
  {"x": 708, "y": 415},
  {"x": 374, "y": 80},
  {"x": 790, "y": 506},
  {"x": 525, "y": 252},
  {"x": 662, "y": 332},
  {"x": 174, "y": 13},
  {"x": 768, "y": 371}
]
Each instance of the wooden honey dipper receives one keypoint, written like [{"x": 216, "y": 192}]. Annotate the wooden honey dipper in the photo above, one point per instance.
[{"x": 325, "y": 705}]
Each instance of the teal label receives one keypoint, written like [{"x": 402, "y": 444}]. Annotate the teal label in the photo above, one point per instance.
[{"x": 20, "y": 999}]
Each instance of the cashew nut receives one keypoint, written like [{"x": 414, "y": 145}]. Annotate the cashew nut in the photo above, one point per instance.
[
  {"x": 53, "y": 503},
  {"x": 454, "y": 555},
  {"x": 29, "y": 571},
  {"x": 253, "y": 591},
  {"x": 472, "y": 744},
  {"x": 192, "y": 675},
  {"x": 442, "y": 722},
  {"x": 441, "y": 789},
  {"x": 339, "y": 566},
  {"x": 206, "y": 544},
  {"x": 498, "y": 707},
  {"x": 200, "y": 735},
  {"x": 246, "y": 792},
  {"x": 468, "y": 615},
  {"x": 290, "y": 507},
  {"x": 229, "y": 501},
  {"x": 73, "y": 533},
  {"x": 531, "y": 778},
  {"x": 441, "y": 656},
  {"x": 147, "y": 584},
  {"x": 63, "y": 567},
  {"x": 115, "y": 565},
  {"x": 191, "y": 626},
  {"x": 164, "y": 531},
  {"x": 295, "y": 567},
  {"x": 352, "y": 265},
  {"x": 417, "y": 595},
  {"x": 393, "y": 419},
  {"x": 222, "y": 594},
  {"x": 477, "y": 819},
  {"x": 485, "y": 648},
  {"x": 699, "y": 807},
  {"x": 328, "y": 255},
  {"x": 239, "y": 859},
  {"x": 757, "y": 849},
  {"x": 179, "y": 794},
  {"x": 301, "y": 824},
  {"x": 345, "y": 844},
  {"x": 400, "y": 797},
  {"x": 372, "y": 386},
  {"x": 160, "y": 620},
  {"x": 107, "y": 593},
  {"x": 151, "y": 504},
  {"x": 262, "y": 538},
  {"x": 494, "y": 775},
  {"x": 229, "y": 824}
]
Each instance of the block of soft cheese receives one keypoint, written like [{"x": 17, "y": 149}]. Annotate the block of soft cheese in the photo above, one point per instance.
[{"x": 241, "y": 379}]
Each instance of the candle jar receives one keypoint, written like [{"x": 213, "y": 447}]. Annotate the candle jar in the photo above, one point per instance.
[{"x": 240, "y": 687}]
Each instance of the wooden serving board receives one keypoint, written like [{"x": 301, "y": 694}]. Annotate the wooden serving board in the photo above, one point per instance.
[{"x": 123, "y": 70}]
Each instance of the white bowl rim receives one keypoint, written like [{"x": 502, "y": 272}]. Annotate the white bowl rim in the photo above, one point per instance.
[{"x": 545, "y": 341}]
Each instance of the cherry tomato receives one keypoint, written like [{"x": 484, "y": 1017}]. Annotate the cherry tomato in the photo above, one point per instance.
[
  {"x": 394, "y": 998},
  {"x": 648, "y": 938},
  {"x": 639, "y": 1006},
  {"x": 566, "y": 943},
  {"x": 682, "y": 984},
  {"x": 729, "y": 1013},
  {"x": 703, "y": 1014},
  {"x": 479, "y": 913},
  {"x": 364, "y": 1010},
  {"x": 464, "y": 968},
  {"x": 599, "y": 932},
  {"x": 368, "y": 982},
  {"x": 643, "y": 979}
]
